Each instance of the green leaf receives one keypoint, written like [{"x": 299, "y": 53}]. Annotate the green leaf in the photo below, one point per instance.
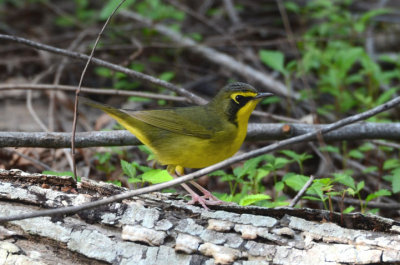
[
  {"x": 64, "y": 21},
  {"x": 277, "y": 163},
  {"x": 128, "y": 168},
  {"x": 111, "y": 5},
  {"x": 196, "y": 36},
  {"x": 360, "y": 186},
  {"x": 227, "y": 178},
  {"x": 330, "y": 148},
  {"x": 290, "y": 154},
  {"x": 273, "y": 59},
  {"x": 104, "y": 72},
  {"x": 103, "y": 157},
  {"x": 138, "y": 99},
  {"x": 248, "y": 167},
  {"x": 292, "y": 6},
  {"x": 386, "y": 96},
  {"x": 311, "y": 198},
  {"x": 396, "y": 180},
  {"x": 167, "y": 76},
  {"x": 271, "y": 100},
  {"x": 115, "y": 182},
  {"x": 279, "y": 186},
  {"x": 138, "y": 67},
  {"x": 370, "y": 169},
  {"x": 367, "y": 16},
  {"x": 261, "y": 173},
  {"x": 366, "y": 147},
  {"x": 156, "y": 176},
  {"x": 295, "y": 181},
  {"x": 218, "y": 173},
  {"x": 391, "y": 163},
  {"x": 345, "y": 180},
  {"x": 356, "y": 154},
  {"x": 147, "y": 150},
  {"x": 349, "y": 209},
  {"x": 135, "y": 180},
  {"x": 379, "y": 193},
  {"x": 251, "y": 199}
]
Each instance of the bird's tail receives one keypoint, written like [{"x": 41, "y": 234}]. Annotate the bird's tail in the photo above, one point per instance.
[{"x": 120, "y": 116}]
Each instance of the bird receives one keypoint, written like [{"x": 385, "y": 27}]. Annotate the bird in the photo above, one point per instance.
[{"x": 195, "y": 136}]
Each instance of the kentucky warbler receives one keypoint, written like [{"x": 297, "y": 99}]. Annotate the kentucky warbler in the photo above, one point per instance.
[{"x": 193, "y": 137}]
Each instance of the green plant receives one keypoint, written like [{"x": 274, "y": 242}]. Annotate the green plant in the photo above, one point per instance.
[
  {"x": 299, "y": 158},
  {"x": 149, "y": 175},
  {"x": 332, "y": 51}
]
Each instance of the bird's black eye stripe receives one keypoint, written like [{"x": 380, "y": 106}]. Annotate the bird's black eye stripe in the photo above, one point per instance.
[{"x": 239, "y": 98}]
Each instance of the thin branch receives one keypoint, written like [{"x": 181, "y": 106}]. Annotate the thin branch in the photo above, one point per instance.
[
  {"x": 301, "y": 192},
  {"x": 34, "y": 161},
  {"x": 207, "y": 170},
  {"x": 80, "y": 85},
  {"x": 101, "y": 91},
  {"x": 146, "y": 78},
  {"x": 392, "y": 145},
  {"x": 230, "y": 9},
  {"x": 371, "y": 204},
  {"x": 212, "y": 55},
  {"x": 256, "y": 132}
]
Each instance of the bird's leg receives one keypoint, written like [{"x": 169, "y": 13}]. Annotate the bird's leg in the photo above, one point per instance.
[
  {"x": 207, "y": 194},
  {"x": 212, "y": 200},
  {"x": 194, "y": 195}
]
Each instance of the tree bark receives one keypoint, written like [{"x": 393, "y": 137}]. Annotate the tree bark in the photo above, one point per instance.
[{"x": 160, "y": 228}]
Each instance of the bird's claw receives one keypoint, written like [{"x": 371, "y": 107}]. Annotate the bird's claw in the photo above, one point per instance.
[{"x": 205, "y": 200}]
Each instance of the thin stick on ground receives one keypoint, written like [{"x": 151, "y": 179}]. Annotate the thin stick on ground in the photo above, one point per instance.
[
  {"x": 197, "y": 174},
  {"x": 297, "y": 198}
]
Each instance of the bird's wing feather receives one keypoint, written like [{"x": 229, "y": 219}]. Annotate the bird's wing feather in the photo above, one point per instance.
[{"x": 177, "y": 121}]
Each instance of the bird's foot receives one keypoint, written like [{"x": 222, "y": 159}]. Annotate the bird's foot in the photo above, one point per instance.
[
  {"x": 211, "y": 198},
  {"x": 207, "y": 195},
  {"x": 203, "y": 201}
]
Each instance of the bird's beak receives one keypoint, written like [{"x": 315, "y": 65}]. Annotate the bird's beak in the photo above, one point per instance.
[{"x": 263, "y": 95}]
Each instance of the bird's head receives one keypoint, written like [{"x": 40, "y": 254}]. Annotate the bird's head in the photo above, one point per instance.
[{"x": 237, "y": 101}]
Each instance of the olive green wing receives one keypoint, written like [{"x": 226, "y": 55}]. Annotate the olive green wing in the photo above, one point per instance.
[{"x": 191, "y": 121}]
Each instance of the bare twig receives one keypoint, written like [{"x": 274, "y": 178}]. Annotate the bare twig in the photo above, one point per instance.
[
  {"x": 101, "y": 91},
  {"x": 301, "y": 192},
  {"x": 33, "y": 112},
  {"x": 34, "y": 161},
  {"x": 370, "y": 204},
  {"x": 146, "y": 78},
  {"x": 212, "y": 55},
  {"x": 230, "y": 9},
  {"x": 392, "y": 145},
  {"x": 80, "y": 85},
  {"x": 52, "y": 96},
  {"x": 204, "y": 171}
]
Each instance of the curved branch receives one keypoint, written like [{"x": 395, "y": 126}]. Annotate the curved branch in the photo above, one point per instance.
[
  {"x": 102, "y": 91},
  {"x": 214, "y": 56},
  {"x": 256, "y": 132},
  {"x": 76, "y": 55}
]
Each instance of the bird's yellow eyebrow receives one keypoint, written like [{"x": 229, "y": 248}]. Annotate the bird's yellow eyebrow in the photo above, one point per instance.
[{"x": 243, "y": 94}]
